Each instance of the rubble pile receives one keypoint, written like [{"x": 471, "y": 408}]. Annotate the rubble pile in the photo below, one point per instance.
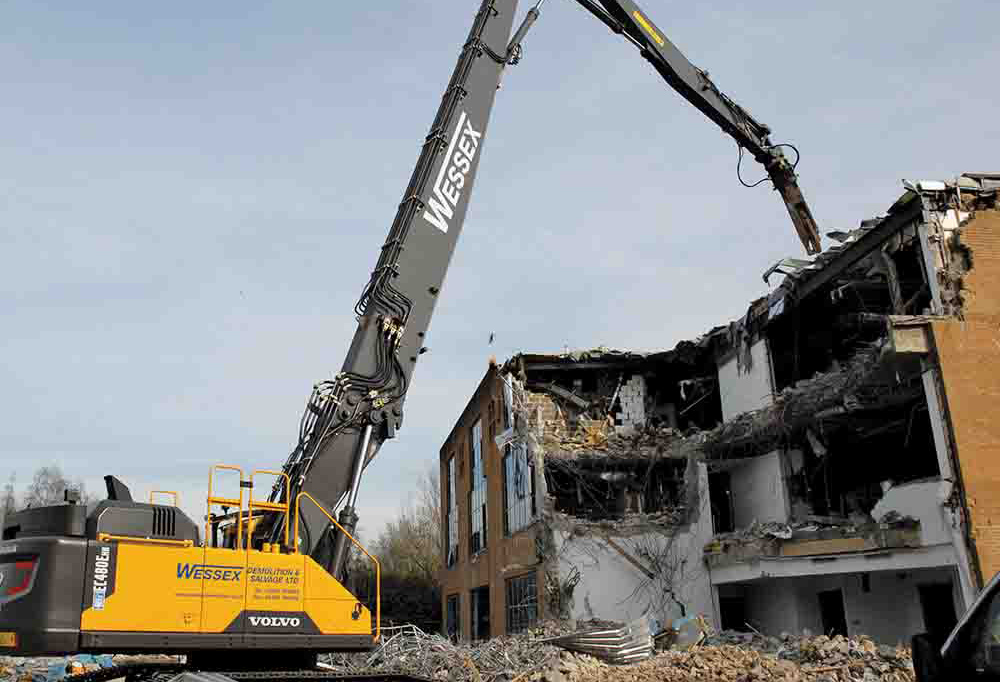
[
  {"x": 749, "y": 658},
  {"x": 843, "y": 388},
  {"x": 410, "y": 651},
  {"x": 531, "y": 657},
  {"x": 596, "y": 439},
  {"x": 53, "y": 669}
]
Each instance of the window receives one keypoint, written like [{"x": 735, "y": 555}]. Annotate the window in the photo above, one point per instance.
[
  {"x": 518, "y": 488},
  {"x": 508, "y": 405},
  {"x": 477, "y": 492},
  {"x": 522, "y": 603},
  {"x": 451, "y": 622},
  {"x": 452, "y": 518},
  {"x": 479, "y": 600}
]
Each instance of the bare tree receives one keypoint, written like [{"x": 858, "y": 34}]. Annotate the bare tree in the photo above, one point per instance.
[
  {"x": 48, "y": 486},
  {"x": 8, "y": 499},
  {"x": 410, "y": 545}
]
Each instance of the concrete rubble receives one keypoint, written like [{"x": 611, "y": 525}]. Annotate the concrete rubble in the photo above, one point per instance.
[
  {"x": 411, "y": 651},
  {"x": 821, "y": 659},
  {"x": 813, "y": 527},
  {"x": 532, "y": 657},
  {"x": 53, "y": 669}
]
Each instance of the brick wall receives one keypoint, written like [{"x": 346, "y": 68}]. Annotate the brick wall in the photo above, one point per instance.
[
  {"x": 503, "y": 557},
  {"x": 969, "y": 355},
  {"x": 544, "y": 412}
]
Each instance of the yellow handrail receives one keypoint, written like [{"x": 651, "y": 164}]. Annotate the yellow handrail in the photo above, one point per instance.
[
  {"x": 378, "y": 567},
  {"x": 270, "y": 506},
  {"x": 105, "y": 537},
  {"x": 165, "y": 492},
  {"x": 225, "y": 502}
]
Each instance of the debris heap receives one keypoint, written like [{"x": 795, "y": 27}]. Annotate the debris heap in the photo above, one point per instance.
[
  {"x": 410, "y": 651},
  {"x": 726, "y": 656},
  {"x": 750, "y": 658},
  {"x": 530, "y": 657},
  {"x": 53, "y": 669}
]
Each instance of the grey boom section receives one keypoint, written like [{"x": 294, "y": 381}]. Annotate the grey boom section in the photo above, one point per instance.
[
  {"x": 693, "y": 84},
  {"x": 396, "y": 306}
]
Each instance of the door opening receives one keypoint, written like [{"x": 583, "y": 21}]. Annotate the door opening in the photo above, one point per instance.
[{"x": 832, "y": 612}]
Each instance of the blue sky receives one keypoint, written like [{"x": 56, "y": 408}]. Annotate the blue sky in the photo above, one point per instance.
[{"x": 193, "y": 195}]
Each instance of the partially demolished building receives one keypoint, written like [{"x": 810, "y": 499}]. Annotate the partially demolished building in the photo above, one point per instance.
[{"x": 825, "y": 463}]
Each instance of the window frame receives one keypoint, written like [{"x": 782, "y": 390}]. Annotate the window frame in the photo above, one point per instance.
[
  {"x": 456, "y": 634},
  {"x": 451, "y": 514},
  {"x": 477, "y": 490},
  {"x": 525, "y": 517},
  {"x": 517, "y": 585}
]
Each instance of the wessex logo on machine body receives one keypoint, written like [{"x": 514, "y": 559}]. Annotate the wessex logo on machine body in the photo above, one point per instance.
[
  {"x": 453, "y": 177},
  {"x": 209, "y": 572}
]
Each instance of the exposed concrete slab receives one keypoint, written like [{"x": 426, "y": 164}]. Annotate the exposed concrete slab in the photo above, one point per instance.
[{"x": 767, "y": 568}]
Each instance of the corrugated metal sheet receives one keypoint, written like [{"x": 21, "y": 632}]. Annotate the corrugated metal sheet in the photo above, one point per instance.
[{"x": 627, "y": 644}]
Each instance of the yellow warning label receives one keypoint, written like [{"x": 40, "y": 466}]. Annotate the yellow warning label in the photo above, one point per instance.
[{"x": 649, "y": 27}]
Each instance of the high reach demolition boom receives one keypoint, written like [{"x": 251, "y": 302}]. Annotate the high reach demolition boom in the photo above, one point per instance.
[{"x": 349, "y": 417}]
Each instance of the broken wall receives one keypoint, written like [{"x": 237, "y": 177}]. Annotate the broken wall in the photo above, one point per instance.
[
  {"x": 968, "y": 352},
  {"x": 626, "y": 574}
]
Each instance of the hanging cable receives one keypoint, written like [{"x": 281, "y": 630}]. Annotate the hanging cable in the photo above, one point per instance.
[{"x": 739, "y": 176}]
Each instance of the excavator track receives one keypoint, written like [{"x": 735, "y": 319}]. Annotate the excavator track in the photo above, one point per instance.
[{"x": 163, "y": 672}]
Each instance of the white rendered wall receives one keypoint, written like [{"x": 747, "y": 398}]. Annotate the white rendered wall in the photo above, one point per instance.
[
  {"x": 921, "y": 501},
  {"x": 759, "y": 491},
  {"x": 749, "y": 390},
  {"x": 612, "y": 588}
]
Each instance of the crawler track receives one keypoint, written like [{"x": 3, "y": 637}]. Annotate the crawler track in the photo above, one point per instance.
[{"x": 162, "y": 672}]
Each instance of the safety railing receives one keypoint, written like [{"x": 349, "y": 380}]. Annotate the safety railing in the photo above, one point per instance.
[
  {"x": 108, "y": 537},
  {"x": 378, "y": 567},
  {"x": 236, "y": 502},
  {"x": 280, "y": 507},
  {"x": 165, "y": 492}
]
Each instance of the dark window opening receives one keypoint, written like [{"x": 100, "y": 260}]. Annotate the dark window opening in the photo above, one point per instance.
[
  {"x": 915, "y": 294},
  {"x": 733, "y": 614},
  {"x": 680, "y": 392},
  {"x": 938, "y": 605},
  {"x": 828, "y": 330},
  {"x": 720, "y": 493},
  {"x": 522, "y": 603},
  {"x": 604, "y": 489},
  {"x": 451, "y": 618},
  {"x": 862, "y": 451},
  {"x": 832, "y": 613},
  {"x": 479, "y": 600}
]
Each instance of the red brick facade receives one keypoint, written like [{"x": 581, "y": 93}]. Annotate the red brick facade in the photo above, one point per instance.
[
  {"x": 969, "y": 355},
  {"x": 503, "y": 557}
]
